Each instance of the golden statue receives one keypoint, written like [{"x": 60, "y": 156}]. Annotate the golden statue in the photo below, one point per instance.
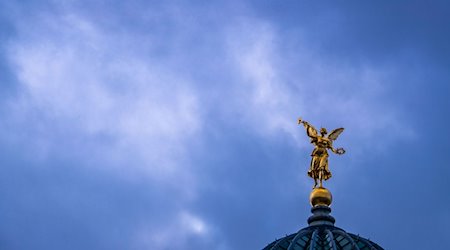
[{"x": 319, "y": 163}]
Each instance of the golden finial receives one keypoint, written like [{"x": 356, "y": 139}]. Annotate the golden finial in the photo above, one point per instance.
[
  {"x": 318, "y": 169},
  {"x": 320, "y": 197}
]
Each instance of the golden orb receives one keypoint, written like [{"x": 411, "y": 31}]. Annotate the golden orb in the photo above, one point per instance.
[{"x": 320, "y": 197}]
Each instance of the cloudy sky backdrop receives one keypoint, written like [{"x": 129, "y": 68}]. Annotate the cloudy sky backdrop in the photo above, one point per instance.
[{"x": 171, "y": 125}]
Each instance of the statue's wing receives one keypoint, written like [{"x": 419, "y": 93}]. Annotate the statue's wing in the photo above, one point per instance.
[{"x": 335, "y": 133}]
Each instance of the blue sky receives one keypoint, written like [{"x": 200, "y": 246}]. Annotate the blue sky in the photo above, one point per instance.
[{"x": 172, "y": 125}]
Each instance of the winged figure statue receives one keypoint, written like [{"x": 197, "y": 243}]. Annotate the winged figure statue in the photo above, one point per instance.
[{"x": 318, "y": 169}]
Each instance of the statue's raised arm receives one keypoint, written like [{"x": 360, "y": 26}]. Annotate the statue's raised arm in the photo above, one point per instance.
[{"x": 310, "y": 130}]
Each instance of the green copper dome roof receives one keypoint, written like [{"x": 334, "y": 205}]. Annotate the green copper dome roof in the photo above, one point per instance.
[{"x": 322, "y": 235}]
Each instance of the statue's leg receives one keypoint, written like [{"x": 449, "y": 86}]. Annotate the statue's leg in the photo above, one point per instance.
[
  {"x": 323, "y": 163},
  {"x": 320, "y": 178},
  {"x": 325, "y": 173},
  {"x": 313, "y": 170}
]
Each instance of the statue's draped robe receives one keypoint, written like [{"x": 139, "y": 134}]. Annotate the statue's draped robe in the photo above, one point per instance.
[{"x": 319, "y": 162}]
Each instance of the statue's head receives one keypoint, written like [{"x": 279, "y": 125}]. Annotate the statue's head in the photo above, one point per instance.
[{"x": 323, "y": 131}]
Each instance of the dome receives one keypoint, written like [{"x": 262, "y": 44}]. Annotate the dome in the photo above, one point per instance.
[
  {"x": 322, "y": 235},
  {"x": 326, "y": 238}
]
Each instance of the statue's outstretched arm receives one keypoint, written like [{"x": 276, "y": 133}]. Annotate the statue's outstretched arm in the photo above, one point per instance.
[
  {"x": 339, "y": 151},
  {"x": 310, "y": 130}
]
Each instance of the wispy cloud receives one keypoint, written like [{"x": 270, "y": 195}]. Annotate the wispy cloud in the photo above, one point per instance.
[
  {"x": 275, "y": 91},
  {"x": 82, "y": 78},
  {"x": 75, "y": 76},
  {"x": 135, "y": 103},
  {"x": 174, "y": 234}
]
